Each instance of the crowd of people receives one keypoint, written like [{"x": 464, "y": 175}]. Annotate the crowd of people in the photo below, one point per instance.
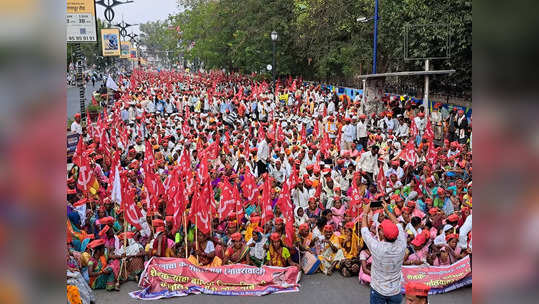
[{"x": 215, "y": 168}]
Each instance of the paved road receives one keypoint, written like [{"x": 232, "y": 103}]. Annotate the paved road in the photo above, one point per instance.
[
  {"x": 315, "y": 289},
  {"x": 73, "y": 104}
]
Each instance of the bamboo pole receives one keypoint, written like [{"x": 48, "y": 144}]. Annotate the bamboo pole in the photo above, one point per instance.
[
  {"x": 196, "y": 236},
  {"x": 185, "y": 232}
]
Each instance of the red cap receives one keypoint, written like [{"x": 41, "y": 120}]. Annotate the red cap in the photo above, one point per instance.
[
  {"x": 255, "y": 219},
  {"x": 259, "y": 229},
  {"x": 328, "y": 227},
  {"x": 421, "y": 114},
  {"x": 410, "y": 204},
  {"x": 453, "y": 217},
  {"x": 390, "y": 230},
  {"x": 158, "y": 223},
  {"x": 275, "y": 236},
  {"x": 417, "y": 289},
  {"x": 349, "y": 225},
  {"x": 104, "y": 231},
  {"x": 107, "y": 220},
  {"x": 419, "y": 240},
  {"x": 433, "y": 211},
  {"x": 128, "y": 235},
  {"x": 236, "y": 236},
  {"x": 279, "y": 220},
  {"x": 304, "y": 227},
  {"x": 451, "y": 236},
  {"x": 96, "y": 243}
]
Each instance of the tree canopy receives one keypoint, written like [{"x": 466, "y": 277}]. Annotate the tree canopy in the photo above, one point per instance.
[{"x": 320, "y": 39}]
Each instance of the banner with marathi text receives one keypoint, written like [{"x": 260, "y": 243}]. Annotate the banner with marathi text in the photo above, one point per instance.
[
  {"x": 174, "y": 277},
  {"x": 440, "y": 278}
]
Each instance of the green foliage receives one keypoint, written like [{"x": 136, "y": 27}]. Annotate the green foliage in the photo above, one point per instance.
[
  {"x": 318, "y": 39},
  {"x": 94, "y": 108}
]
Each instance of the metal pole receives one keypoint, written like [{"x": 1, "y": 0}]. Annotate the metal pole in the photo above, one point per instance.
[
  {"x": 364, "y": 91},
  {"x": 273, "y": 67},
  {"x": 80, "y": 83},
  {"x": 375, "y": 47},
  {"x": 426, "y": 98}
]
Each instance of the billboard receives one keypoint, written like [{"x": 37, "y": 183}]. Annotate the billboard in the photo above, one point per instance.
[
  {"x": 133, "y": 54},
  {"x": 81, "y": 21},
  {"x": 110, "y": 39},
  {"x": 125, "y": 47}
]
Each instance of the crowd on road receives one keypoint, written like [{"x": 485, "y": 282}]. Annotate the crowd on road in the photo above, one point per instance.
[{"x": 215, "y": 168}]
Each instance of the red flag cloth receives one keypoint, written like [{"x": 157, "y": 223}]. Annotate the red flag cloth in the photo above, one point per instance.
[
  {"x": 202, "y": 171},
  {"x": 185, "y": 162},
  {"x": 432, "y": 153},
  {"x": 429, "y": 133},
  {"x": 131, "y": 210},
  {"x": 285, "y": 205},
  {"x": 316, "y": 132},
  {"x": 413, "y": 128},
  {"x": 86, "y": 175},
  {"x": 324, "y": 145},
  {"x": 94, "y": 102},
  {"x": 261, "y": 133},
  {"x": 408, "y": 153},
  {"x": 249, "y": 186},
  {"x": 201, "y": 208},
  {"x": 154, "y": 186},
  {"x": 149, "y": 159},
  {"x": 77, "y": 156},
  {"x": 303, "y": 135},
  {"x": 227, "y": 205},
  {"x": 176, "y": 198},
  {"x": 381, "y": 181},
  {"x": 267, "y": 210},
  {"x": 237, "y": 200},
  {"x": 355, "y": 197}
]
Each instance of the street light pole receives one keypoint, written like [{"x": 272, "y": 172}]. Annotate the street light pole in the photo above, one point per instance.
[
  {"x": 274, "y": 37},
  {"x": 375, "y": 48}
]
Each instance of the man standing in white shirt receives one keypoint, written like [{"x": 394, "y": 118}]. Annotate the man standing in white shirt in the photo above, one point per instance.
[
  {"x": 75, "y": 125},
  {"x": 262, "y": 155},
  {"x": 361, "y": 131},
  {"x": 387, "y": 257},
  {"x": 369, "y": 163},
  {"x": 349, "y": 134}
]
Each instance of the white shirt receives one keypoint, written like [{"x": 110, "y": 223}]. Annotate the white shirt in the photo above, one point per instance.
[
  {"x": 463, "y": 233},
  {"x": 387, "y": 258},
  {"x": 368, "y": 162},
  {"x": 263, "y": 151},
  {"x": 76, "y": 128},
  {"x": 361, "y": 129}
]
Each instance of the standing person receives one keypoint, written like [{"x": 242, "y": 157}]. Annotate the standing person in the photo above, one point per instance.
[
  {"x": 75, "y": 125},
  {"x": 361, "y": 131},
  {"x": 262, "y": 155},
  {"x": 387, "y": 257}
]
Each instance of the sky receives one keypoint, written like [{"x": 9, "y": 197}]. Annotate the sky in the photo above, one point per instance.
[{"x": 140, "y": 11}]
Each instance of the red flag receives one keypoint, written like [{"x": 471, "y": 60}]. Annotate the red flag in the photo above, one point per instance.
[
  {"x": 227, "y": 203},
  {"x": 249, "y": 186},
  {"x": 285, "y": 205},
  {"x": 432, "y": 153},
  {"x": 131, "y": 210},
  {"x": 261, "y": 133},
  {"x": 237, "y": 199},
  {"x": 201, "y": 208},
  {"x": 413, "y": 128},
  {"x": 149, "y": 159},
  {"x": 86, "y": 176},
  {"x": 408, "y": 153},
  {"x": 316, "y": 132},
  {"x": 303, "y": 134},
  {"x": 77, "y": 156},
  {"x": 185, "y": 162},
  {"x": 267, "y": 210},
  {"x": 381, "y": 181},
  {"x": 94, "y": 102},
  {"x": 154, "y": 186},
  {"x": 429, "y": 133},
  {"x": 202, "y": 171},
  {"x": 324, "y": 145},
  {"x": 176, "y": 198}
]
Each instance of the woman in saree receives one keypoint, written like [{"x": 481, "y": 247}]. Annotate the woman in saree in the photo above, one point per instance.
[
  {"x": 350, "y": 242},
  {"x": 278, "y": 255},
  {"x": 203, "y": 252},
  {"x": 331, "y": 253},
  {"x": 133, "y": 254},
  {"x": 365, "y": 258},
  {"x": 237, "y": 252},
  {"x": 257, "y": 252},
  {"x": 102, "y": 275},
  {"x": 455, "y": 252}
]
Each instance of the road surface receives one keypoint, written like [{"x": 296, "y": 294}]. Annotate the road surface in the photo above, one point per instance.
[
  {"x": 315, "y": 289},
  {"x": 72, "y": 94}
]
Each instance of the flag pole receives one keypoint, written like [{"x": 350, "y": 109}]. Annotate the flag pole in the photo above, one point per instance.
[
  {"x": 185, "y": 232},
  {"x": 196, "y": 236}
]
